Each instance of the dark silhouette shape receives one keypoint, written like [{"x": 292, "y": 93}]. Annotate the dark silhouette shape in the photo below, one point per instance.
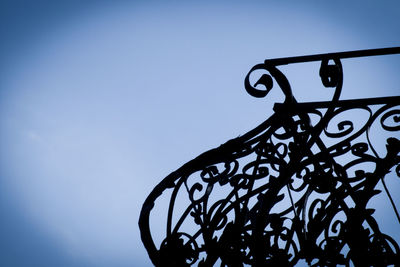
[{"x": 295, "y": 188}]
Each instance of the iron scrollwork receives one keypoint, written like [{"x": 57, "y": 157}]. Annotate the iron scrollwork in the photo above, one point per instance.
[{"x": 297, "y": 187}]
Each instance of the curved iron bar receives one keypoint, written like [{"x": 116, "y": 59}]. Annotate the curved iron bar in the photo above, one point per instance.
[{"x": 325, "y": 166}]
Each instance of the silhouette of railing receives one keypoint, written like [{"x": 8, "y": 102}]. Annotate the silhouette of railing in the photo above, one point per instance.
[{"x": 297, "y": 187}]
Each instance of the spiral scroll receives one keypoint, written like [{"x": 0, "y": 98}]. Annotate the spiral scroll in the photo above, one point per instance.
[{"x": 295, "y": 188}]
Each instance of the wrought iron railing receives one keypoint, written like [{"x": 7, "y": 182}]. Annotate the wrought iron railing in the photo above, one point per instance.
[{"x": 297, "y": 187}]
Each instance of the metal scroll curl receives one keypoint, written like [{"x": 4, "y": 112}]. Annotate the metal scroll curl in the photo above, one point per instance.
[
  {"x": 267, "y": 82},
  {"x": 331, "y": 76},
  {"x": 296, "y": 188}
]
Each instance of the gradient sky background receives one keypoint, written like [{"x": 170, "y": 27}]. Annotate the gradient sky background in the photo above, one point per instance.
[{"x": 100, "y": 100}]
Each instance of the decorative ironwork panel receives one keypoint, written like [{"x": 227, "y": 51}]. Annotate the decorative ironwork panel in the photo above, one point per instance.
[{"x": 297, "y": 187}]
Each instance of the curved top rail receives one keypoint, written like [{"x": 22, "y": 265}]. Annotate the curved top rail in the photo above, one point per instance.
[
  {"x": 297, "y": 187},
  {"x": 339, "y": 55}
]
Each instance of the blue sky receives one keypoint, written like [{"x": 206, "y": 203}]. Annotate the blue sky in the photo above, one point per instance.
[{"x": 101, "y": 100}]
